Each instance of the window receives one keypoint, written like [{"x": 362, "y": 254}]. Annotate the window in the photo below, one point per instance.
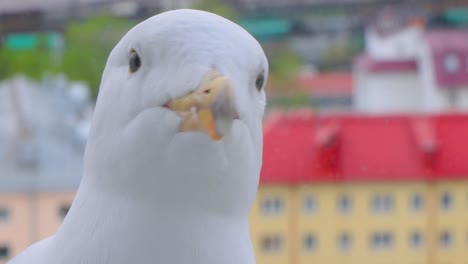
[
  {"x": 4, "y": 252},
  {"x": 310, "y": 204},
  {"x": 344, "y": 204},
  {"x": 272, "y": 244},
  {"x": 382, "y": 203},
  {"x": 416, "y": 202},
  {"x": 416, "y": 240},
  {"x": 4, "y": 214},
  {"x": 381, "y": 240},
  {"x": 445, "y": 239},
  {"x": 344, "y": 242},
  {"x": 63, "y": 211},
  {"x": 446, "y": 201},
  {"x": 387, "y": 203},
  {"x": 375, "y": 203},
  {"x": 278, "y": 205},
  {"x": 267, "y": 205},
  {"x": 310, "y": 242},
  {"x": 272, "y": 205}
]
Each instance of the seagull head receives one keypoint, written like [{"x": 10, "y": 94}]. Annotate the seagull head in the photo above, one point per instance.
[{"x": 178, "y": 119}]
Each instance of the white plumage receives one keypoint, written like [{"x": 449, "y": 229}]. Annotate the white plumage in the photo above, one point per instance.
[{"x": 153, "y": 194}]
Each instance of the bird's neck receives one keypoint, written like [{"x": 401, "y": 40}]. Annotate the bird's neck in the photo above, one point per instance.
[{"x": 122, "y": 224}]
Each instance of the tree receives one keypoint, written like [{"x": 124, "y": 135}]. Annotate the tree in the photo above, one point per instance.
[
  {"x": 88, "y": 46},
  {"x": 284, "y": 66},
  {"x": 220, "y": 8}
]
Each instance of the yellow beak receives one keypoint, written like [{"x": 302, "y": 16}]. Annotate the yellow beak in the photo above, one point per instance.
[{"x": 209, "y": 109}]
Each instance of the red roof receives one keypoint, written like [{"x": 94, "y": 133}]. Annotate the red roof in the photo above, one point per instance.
[
  {"x": 308, "y": 148},
  {"x": 328, "y": 83}
]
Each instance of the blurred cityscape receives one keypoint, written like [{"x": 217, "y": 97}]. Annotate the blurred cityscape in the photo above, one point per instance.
[{"x": 365, "y": 135}]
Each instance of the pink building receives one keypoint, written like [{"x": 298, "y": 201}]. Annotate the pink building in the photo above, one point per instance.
[{"x": 29, "y": 216}]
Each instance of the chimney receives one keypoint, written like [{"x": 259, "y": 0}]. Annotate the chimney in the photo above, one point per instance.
[
  {"x": 426, "y": 141},
  {"x": 327, "y": 139}
]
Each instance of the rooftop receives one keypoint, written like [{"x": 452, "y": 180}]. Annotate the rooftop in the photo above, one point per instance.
[
  {"x": 303, "y": 147},
  {"x": 327, "y": 83},
  {"x": 366, "y": 62}
]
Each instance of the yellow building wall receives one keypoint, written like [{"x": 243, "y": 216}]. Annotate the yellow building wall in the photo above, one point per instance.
[
  {"x": 454, "y": 220},
  {"x": 265, "y": 225},
  {"x": 361, "y": 222},
  {"x": 327, "y": 223}
]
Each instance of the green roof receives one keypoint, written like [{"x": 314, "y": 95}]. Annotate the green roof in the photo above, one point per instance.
[
  {"x": 25, "y": 41},
  {"x": 266, "y": 28},
  {"x": 21, "y": 41},
  {"x": 457, "y": 15}
]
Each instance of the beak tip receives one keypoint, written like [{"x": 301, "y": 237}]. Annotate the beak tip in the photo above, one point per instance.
[{"x": 210, "y": 108}]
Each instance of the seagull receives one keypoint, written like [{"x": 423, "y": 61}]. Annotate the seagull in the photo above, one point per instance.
[{"x": 173, "y": 158}]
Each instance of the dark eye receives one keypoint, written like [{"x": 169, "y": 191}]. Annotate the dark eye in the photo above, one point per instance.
[
  {"x": 135, "y": 61},
  {"x": 259, "y": 81}
]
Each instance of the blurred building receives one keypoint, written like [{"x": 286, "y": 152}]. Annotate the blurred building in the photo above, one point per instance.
[
  {"x": 407, "y": 68},
  {"x": 43, "y": 130},
  {"x": 362, "y": 189},
  {"x": 328, "y": 91},
  {"x": 67, "y": 9},
  {"x": 20, "y": 21}
]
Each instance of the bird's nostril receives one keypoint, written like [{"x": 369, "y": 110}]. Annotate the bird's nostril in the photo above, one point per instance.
[{"x": 207, "y": 91}]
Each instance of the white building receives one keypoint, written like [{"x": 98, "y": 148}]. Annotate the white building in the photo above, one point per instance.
[{"x": 410, "y": 69}]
